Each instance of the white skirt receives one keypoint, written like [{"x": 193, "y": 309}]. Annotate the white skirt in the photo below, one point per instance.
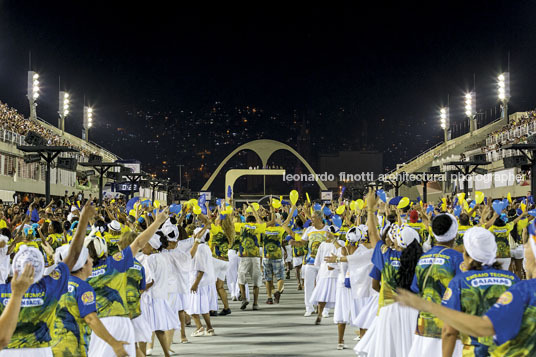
[
  {"x": 178, "y": 301},
  {"x": 142, "y": 329},
  {"x": 367, "y": 312},
  {"x": 27, "y": 352},
  {"x": 204, "y": 301},
  {"x": 288, "y": 249},
  {"x": 159, "y": 315},
  {"x": 343, "y": 305},
  {"x": 429, "y": 346},
  {"x": 391, "y": 334},
  {"x": 297, "y": 261},
  {"x": 325, "y": 291},
  {"x": 121, "y": 329}
]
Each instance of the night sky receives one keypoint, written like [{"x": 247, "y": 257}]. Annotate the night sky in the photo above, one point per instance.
[{"x": 397, "y": 62}]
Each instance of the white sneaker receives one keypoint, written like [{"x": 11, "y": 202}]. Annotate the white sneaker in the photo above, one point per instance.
[
  {"x": 341, "y": 346},
  {"x": 357, "y": 338},
  {"x": 325, "y": 313},
  {"x": 308, "y": 313},
  {"x": 149, "y": 352}
]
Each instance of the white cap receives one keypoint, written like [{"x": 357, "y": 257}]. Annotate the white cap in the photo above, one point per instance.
[{"x": 29, "y": 255}]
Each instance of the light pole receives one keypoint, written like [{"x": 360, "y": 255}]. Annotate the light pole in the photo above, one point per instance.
[
  {"x": 33, "y": 93},
  {"x": 445, "y": 123},
  {"x": 470, "y": 109},
  {"x": 64, "y": 110},
  {"x": 503, "y": 92},
  {"x": 88, "y": 122}
]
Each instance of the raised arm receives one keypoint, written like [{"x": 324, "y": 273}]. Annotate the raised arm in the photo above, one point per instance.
[
  {"x": 471, "y": 325},
  {"x": 78, "y": 239},
  {"x": 146, "y": 235},
  {"x": 19, "y": 284},
  {"x": 372, "y": 220}
]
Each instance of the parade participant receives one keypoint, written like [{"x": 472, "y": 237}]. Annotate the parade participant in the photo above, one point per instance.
[
  {"x": 464, "y": 223},
  {"x": 136, "y": 283},
  {"x": 391, "y": 333},
  {"x": 298, "y": 252},
  {"x": 433, "y": 274},
  {"x": 250, "y": 261},
  {"x": 202, "y": 280},
  {"x": 76, "y": 315},
  {"x": 312, "y": 238},
  {"x": 109, "y": 281},
  {"x": 221, "y": 238},
  {"x": 324, "y": 293},
  {"x": 272, "y": 263},
  {"x": 507, "y": 320},
  {"x": 32, "y": 336},
  {"x": 113, "y": 236}
]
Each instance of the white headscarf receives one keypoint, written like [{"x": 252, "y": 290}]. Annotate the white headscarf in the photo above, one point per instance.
[
  {"x": 205, "y": 237},
  {"x": 452, "y": 231},
  {"x": 479, "y": 243},
  {"x": 29, "y": 255},
  {"x": 353, "y": 235},
  {"x": 100, "y": 245},
  {"x": 155, "y": 241},
  {"x": 3, "y": 238},
  {"x": 171, "y": 232},
  {"x": 406, "y": 236}
]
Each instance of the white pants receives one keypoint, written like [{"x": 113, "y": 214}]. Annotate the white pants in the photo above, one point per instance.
[
  {"x": 232, "y": 273},
  {"x": 505, "y": 263},
  {"x": 121, "y": 329},
  {"x": 309, "y": 279},
  {"x": 27, "y": 352}
]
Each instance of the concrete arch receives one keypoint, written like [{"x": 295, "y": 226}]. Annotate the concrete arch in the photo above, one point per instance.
[{"x": 264, "y": 148}]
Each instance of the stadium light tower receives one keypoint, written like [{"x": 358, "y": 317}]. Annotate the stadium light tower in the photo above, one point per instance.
[
  {"x": 88, "y": 122},
  {"x": 503, "y": 92},
  {"x": 65, "y": 102},
  {"x": 33, "y": 93},
  {"x": 470, "y": 109},
  {"x": 445, "y": 123}
]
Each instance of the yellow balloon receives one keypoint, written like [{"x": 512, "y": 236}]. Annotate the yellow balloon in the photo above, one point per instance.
[
  {"x": 360, "y": 203},
  {"x": 308, "y": 199},
  {"x": 193, "y": 202},
  {"x": 404, "y": 202},
  {"x": 509, "y": 197},
  {"x": 479, "y": 197},
  {"x": 156, "y": 204},
  {"x": 197, "y": 209},
  {"x": 132, "y": 212},
  {"x": 294, "y": 195},
  {"x": 461, "y": 197},
  {"x": 276, "y": 203},
  {"x": 353, "y": 205},
  {"x": 249, "y": 210},
  {"x": 340, "y": 209},
  {"x": 255, "y": 205}
]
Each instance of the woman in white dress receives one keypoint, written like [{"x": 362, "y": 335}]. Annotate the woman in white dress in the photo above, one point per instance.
[
  {"x": 203, "y": 296},
  {"x": 324, "y": 293}
]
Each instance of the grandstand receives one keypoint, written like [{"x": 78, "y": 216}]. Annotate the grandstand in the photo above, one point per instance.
[
  {"x": 18, "y": 176},
  {"x": 483, "y": 144}
]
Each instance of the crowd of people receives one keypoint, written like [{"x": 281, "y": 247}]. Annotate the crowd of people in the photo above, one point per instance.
[
  {"x": 78, "y": 278},
  {"x": 11, "y": 120},
  {"x": 516, "y": 132}
]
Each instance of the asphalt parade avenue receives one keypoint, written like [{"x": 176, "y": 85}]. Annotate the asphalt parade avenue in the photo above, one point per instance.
[{"x": 273, "y": 330}]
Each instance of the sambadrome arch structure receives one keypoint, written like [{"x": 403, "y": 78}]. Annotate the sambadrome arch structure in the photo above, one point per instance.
[{"x": 264, "y": 148}]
